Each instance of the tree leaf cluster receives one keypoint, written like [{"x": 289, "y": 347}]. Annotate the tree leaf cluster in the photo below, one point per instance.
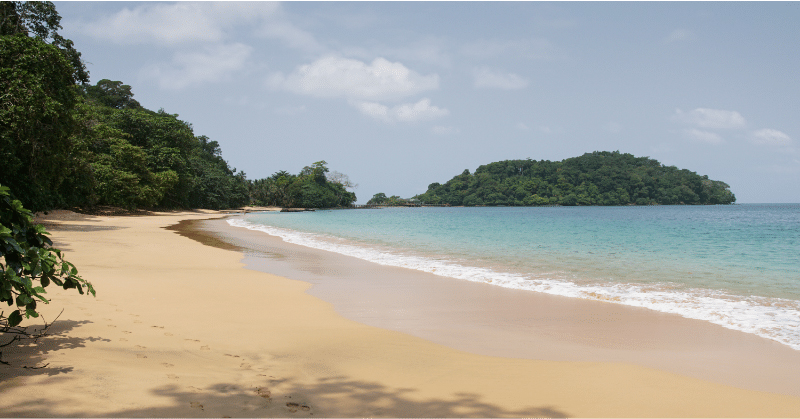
[
  {"x": 380, "y": 198},
  {"x": 313, "y": 187},
  {"x": 598, "y": 178},
  {"x": 29, "y": 264},
  {"x": 127, "y": 156}
]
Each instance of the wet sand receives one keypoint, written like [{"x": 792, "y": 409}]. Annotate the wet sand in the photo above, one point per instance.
[
  {"x": 183, "y": 329},
  {"x": 491, "y": 320}
]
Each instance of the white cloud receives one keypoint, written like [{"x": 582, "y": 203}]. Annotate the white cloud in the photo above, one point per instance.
[
  {"x": 177, "y": 23},
  {"x": 486, "y": 78},
  {"x": 408, "y": 112},
  {"x": 771, "y": 137},
  {"x": 710, "y": 118},
  {"x": 704, "y": 136},
  {"x": 522, "y": 126},
  {"x": 352, "y": 79},
  {"x": 214, "y": 63},
  {"x": 679, "y": 35}
]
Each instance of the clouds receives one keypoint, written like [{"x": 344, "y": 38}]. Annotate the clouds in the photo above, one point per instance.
[
  {"x": 714, "y": 121},
  {"x": 487, "y": 78},
  {"x": 710, "y": 118},
  {"x": 211, "y": 64},
  {"x": 771, "y": 137},
  {"x": 363, "y": 85},
  {"x": 352, "y": 79},
  {"x": 171, "y": 24},
  {"x": 409, "y": 112},
  {"x": 703, "y": 136},
  {"x": 199, "y": 36}
]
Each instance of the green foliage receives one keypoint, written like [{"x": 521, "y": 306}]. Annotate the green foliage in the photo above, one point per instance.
[
  {"x": 599, "y": 178},
  {"x": 37, "y": 97},
  {"x": 389, "y": 201},
  {"x": 113, "y": 94},
  {"x": 39, "y": 19},
  {"x": 309, "y": 189},
  {"x": 29, "y": 263}
]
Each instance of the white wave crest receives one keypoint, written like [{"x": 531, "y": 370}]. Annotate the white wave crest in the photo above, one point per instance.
[{"x": 772, "y": 318}]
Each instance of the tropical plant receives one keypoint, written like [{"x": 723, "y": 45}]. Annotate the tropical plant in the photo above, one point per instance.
[{"x": 28, "y": 264}]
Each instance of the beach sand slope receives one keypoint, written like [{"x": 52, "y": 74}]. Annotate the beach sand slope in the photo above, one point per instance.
[{"x": 179, "y": 329}]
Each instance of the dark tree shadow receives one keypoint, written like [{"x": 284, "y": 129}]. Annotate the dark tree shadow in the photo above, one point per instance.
[
  {"x": 28, "y": 356},
  {"x": 331, "y": 397}
]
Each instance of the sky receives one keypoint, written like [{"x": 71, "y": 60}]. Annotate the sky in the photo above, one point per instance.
[{"x": 398, "y": 95}]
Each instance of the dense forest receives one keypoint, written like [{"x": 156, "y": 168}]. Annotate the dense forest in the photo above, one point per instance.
[
  {"x": 599, "y": 178},
  {"x": 65, "y": 143},
  {"x": 314, "y": 187}
]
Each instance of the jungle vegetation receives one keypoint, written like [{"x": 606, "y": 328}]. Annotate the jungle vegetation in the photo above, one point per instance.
[
  {"x": 598, "y": 178},
  {"x": 65, "y": 143}
]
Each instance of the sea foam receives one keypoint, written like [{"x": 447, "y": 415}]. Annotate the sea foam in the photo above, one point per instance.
[{"x": 772, "y": 318}]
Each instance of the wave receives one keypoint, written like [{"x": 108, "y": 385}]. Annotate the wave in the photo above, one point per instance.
[{"x": 772, "y": 318}]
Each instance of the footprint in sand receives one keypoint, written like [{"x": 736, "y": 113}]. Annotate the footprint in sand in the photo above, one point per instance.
[
  {"x": 123, "y": 340},
  {"x": 112, "y": 325},
  {"x": 141, "y": 356},
  {"x": 137, "y": 321},
  {"x": 167, "y": 364},
  {"x": 191, "y": 340},
  {"x": 235, "y": 356},
  {"x": 205, "y": 348},
  {"x": 263, "y": 392},
  {"x": 167, "y": 334},
  {"x": 158, "y": 327},
  {"x": 196, "y": 405},
  {"x": 125, "y": 331},
  {"x": 245, "y": 366},
  {"x": 294, "y": 407},
  {"x": 141, "y": 347},
  {"x": 172, "y": 376}
]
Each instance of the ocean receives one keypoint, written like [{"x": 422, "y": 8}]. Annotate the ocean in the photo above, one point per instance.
[{"x": 737, "y": 266}]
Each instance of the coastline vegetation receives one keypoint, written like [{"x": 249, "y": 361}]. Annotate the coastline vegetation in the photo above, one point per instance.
[{"x": 598, "y": 178}]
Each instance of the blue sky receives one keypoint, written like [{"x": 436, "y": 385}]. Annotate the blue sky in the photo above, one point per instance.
[{"x": 398, "y": 95}]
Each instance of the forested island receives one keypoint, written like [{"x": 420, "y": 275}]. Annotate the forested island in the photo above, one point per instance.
[{"x": 598, "y": 178}]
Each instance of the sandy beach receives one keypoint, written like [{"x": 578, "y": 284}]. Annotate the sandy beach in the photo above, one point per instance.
[{"x": 183, "y": 329}]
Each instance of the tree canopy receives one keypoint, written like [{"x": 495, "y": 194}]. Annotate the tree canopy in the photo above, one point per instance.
[
  {"x": 598, "y": 178},
  {"x": 311, "y": 188}
]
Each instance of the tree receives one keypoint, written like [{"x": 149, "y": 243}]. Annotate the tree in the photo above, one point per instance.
[
  {"x": 36, "y": 120},
  {"x": 378, "y": 199},
  {"x": 29, "y": 264},
  {"x": 113, "y": 94},
  {"x": 40, "y": 19}
]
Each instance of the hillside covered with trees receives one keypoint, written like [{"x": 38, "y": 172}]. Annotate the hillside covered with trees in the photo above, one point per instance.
[
  {"x": 65, "y": 143},
  {"x": 598, "y": 178}
]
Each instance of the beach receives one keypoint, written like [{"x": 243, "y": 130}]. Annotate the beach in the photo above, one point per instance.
[{"x": 187, "y": 324}]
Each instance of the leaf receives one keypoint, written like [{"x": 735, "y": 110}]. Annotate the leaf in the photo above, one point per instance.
[{"x": 14, "y": 319}]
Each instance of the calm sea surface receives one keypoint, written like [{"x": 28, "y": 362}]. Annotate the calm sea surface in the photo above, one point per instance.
[{"x": 737, "y": 266}]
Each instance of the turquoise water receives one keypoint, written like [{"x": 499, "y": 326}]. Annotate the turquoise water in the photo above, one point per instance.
[{"x": 737, "y": 266}]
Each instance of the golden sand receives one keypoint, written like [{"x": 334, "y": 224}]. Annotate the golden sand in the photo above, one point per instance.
[{"x": 179, "y": 329}]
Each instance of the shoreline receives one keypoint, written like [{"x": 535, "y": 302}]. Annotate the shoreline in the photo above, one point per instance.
[
  {"x": 182, "y": 329},
  {"x": 489, "y": 320}
]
